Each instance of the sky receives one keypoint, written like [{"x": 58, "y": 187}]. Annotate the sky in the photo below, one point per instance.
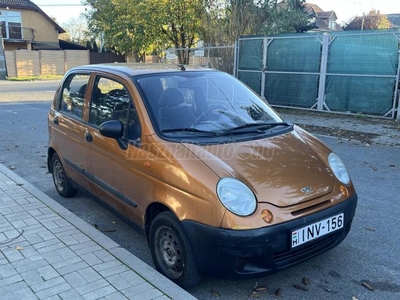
[{"x": 63, "y": 10}]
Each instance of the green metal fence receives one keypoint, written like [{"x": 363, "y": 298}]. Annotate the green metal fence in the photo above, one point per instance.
[{"x": 351, "y": 72}]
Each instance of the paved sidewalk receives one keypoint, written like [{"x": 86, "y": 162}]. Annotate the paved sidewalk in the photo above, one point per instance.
[
  {"x": 381, "y": 131},
  {"x": 46, "y": 252}
]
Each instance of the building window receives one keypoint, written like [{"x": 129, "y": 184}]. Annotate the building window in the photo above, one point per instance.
[
  {"x": 11, "y": 24},
  {"x": 332, "y": 25}
]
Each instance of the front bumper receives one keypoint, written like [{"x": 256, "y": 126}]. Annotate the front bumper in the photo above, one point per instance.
[{"x": 246, "y": 253}]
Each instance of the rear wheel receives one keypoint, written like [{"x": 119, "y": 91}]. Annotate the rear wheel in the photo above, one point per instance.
[
  {"x": 60, "y": 179},
  {"x": 172, "y": 252}
]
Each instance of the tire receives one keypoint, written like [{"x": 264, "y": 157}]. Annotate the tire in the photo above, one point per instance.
[
  {"x": 60, "y": 178},
  {"x": 172, "y": 252}
]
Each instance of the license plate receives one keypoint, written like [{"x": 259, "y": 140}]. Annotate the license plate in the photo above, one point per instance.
[{"x": 316, "y": 230}]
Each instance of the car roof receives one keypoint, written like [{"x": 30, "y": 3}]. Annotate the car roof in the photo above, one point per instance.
[{"x": 133, "y": 69}]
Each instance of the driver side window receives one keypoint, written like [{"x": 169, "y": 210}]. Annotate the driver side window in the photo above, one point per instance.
[{"x": 111, "y": 101}]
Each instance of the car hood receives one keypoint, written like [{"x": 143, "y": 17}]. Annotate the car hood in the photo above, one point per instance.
[{"x": 283, "y": 170}]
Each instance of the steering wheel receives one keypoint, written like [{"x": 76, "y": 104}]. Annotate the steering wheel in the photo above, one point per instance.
[{"x": 210, "y": 111}]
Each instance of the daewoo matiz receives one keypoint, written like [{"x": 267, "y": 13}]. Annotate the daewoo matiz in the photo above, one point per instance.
[{"x": 219, "y": 183}]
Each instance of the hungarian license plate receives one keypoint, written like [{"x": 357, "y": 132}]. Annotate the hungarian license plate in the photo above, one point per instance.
[{"x": 316, "y": 230}]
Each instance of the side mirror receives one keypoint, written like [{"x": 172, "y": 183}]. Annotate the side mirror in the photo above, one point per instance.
[{"x": 113, "y": 129}]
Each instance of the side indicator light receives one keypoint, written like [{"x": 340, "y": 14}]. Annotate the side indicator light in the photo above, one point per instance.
[
  {"x": 267, "y": 216},
  {"x": 344, "y": 191}
]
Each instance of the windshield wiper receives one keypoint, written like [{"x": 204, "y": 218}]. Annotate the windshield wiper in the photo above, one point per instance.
[
  {"x": 255, "y": 127},
  {"x": 190, "y": 130}
]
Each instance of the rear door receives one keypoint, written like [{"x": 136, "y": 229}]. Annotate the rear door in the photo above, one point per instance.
[{"x": 66, "y": 125}]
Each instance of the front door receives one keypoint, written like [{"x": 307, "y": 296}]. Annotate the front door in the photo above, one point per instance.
[{"x": 116, "y": 179}]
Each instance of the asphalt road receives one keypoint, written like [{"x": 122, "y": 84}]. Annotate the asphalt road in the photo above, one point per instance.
[{"x": 370, "y": 254}]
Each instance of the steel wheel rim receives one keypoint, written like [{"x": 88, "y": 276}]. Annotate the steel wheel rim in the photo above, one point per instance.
[
  {"x": 58, "y": 175},
  {"x": 169, "y": 252}
]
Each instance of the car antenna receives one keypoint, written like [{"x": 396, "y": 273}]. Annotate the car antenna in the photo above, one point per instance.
[{"x": 182, "y": 66}]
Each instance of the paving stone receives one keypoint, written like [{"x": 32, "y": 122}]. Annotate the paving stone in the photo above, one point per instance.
[
  {"x": 119, "y": 282},
  {"x": 148, "y": 295},
  {"x": 7, "y": 270},
  {"x": 113, "y": 270},
  {"x": 67, "y": 262},
  {"x": 89, "y": 274},
  {"x": 115, "y": 296},
  {"x": 105, "y": 256},
  {"x": 6, "y": 281},
  {"x": 72, "y": 268},
  {"x": 71, "y": 295},
  {"x": 24, "y": 293},
  {"x": 13, "y": 255},
  {"x": 137, "y": 289},
  {"x": 91, "y": 259},
  {"x": 75, "y": 279},
  {"x": 107, "y": 265},
  {"x": 47, "y": 284},
  {"x": 57, "y": 289},
  {"x": 27, "y": 264},
  {"x": 92, "y": 286},
  {"x": 48, "y": 272},
  {"x": 10, "y": 288},
  {"x": 32, "y": 277},
  {"x": 102, "y": 292}
]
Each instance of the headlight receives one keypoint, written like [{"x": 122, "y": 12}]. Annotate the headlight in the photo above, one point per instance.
[
  {"x": 236, "y": 196},
  {"x": 338, "y": 168}
]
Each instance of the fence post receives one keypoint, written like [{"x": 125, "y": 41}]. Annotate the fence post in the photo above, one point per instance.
[
  {"x": 236, "y": 59},
  {"x": 264, "y": 66},
  {"x": 3, "y": 66},
  {"x": 323, "y": 71},
  {"x": 397, "y": 88}
]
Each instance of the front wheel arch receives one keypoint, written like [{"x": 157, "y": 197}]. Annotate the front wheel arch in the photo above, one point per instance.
[{"x": 172, "y": 252}]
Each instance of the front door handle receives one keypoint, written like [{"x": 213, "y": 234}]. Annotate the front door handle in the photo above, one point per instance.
[
  {"x": 55, "y": 120},
  {"x": 88, "y": 137}
]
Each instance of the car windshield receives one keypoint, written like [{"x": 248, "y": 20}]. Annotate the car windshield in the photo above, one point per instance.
[{"x": 203, "y": 103}]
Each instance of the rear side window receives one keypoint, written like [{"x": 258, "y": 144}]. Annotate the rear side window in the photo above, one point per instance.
[{"x": 73, "y": 95}]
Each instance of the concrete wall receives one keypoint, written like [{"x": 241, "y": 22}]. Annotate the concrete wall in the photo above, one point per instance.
[{"x": 45, "y": 62}]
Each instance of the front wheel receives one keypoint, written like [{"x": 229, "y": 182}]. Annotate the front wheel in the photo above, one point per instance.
[
  {"x": 172, "y": 252},
  {"x": 60, "y": 178}
]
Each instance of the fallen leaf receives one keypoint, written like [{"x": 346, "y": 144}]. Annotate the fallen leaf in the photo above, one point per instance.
[
  {"x": 215, "y": 294},
  {"x": 277, "y": 292},
  {"x": 367, "y": 286},
  {"x": 19, "y": 248},
  {"x": 299, "y": 287},
  {"x": 261, "y": 288},
  {"x": 369, "y": 228},
  {"x": 12, "y": 168},
  {"x": 305, "y": 281},
  {"x": 354, "y": 298},
  {"x": 255, "y": 295},
  {"x": 20, "y": 184},
  {"x": 392, "y": 166}
]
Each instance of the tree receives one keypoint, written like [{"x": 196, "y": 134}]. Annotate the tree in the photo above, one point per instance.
[
  {"x": 374, "y": 20},
  {"x": 77, "y": 31},
  {"x": 143, "y": 26}
]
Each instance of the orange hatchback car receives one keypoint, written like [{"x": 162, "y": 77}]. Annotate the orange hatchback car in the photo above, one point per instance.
[{"x": 219, "y": 183}]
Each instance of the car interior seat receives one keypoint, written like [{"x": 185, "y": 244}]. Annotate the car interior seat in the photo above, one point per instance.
[{"x": 173, "y": 112}]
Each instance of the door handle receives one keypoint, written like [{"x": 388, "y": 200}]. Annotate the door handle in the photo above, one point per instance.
[
  {"x": 88, "y": 137},
  {"x": 55, "y": 120}
]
